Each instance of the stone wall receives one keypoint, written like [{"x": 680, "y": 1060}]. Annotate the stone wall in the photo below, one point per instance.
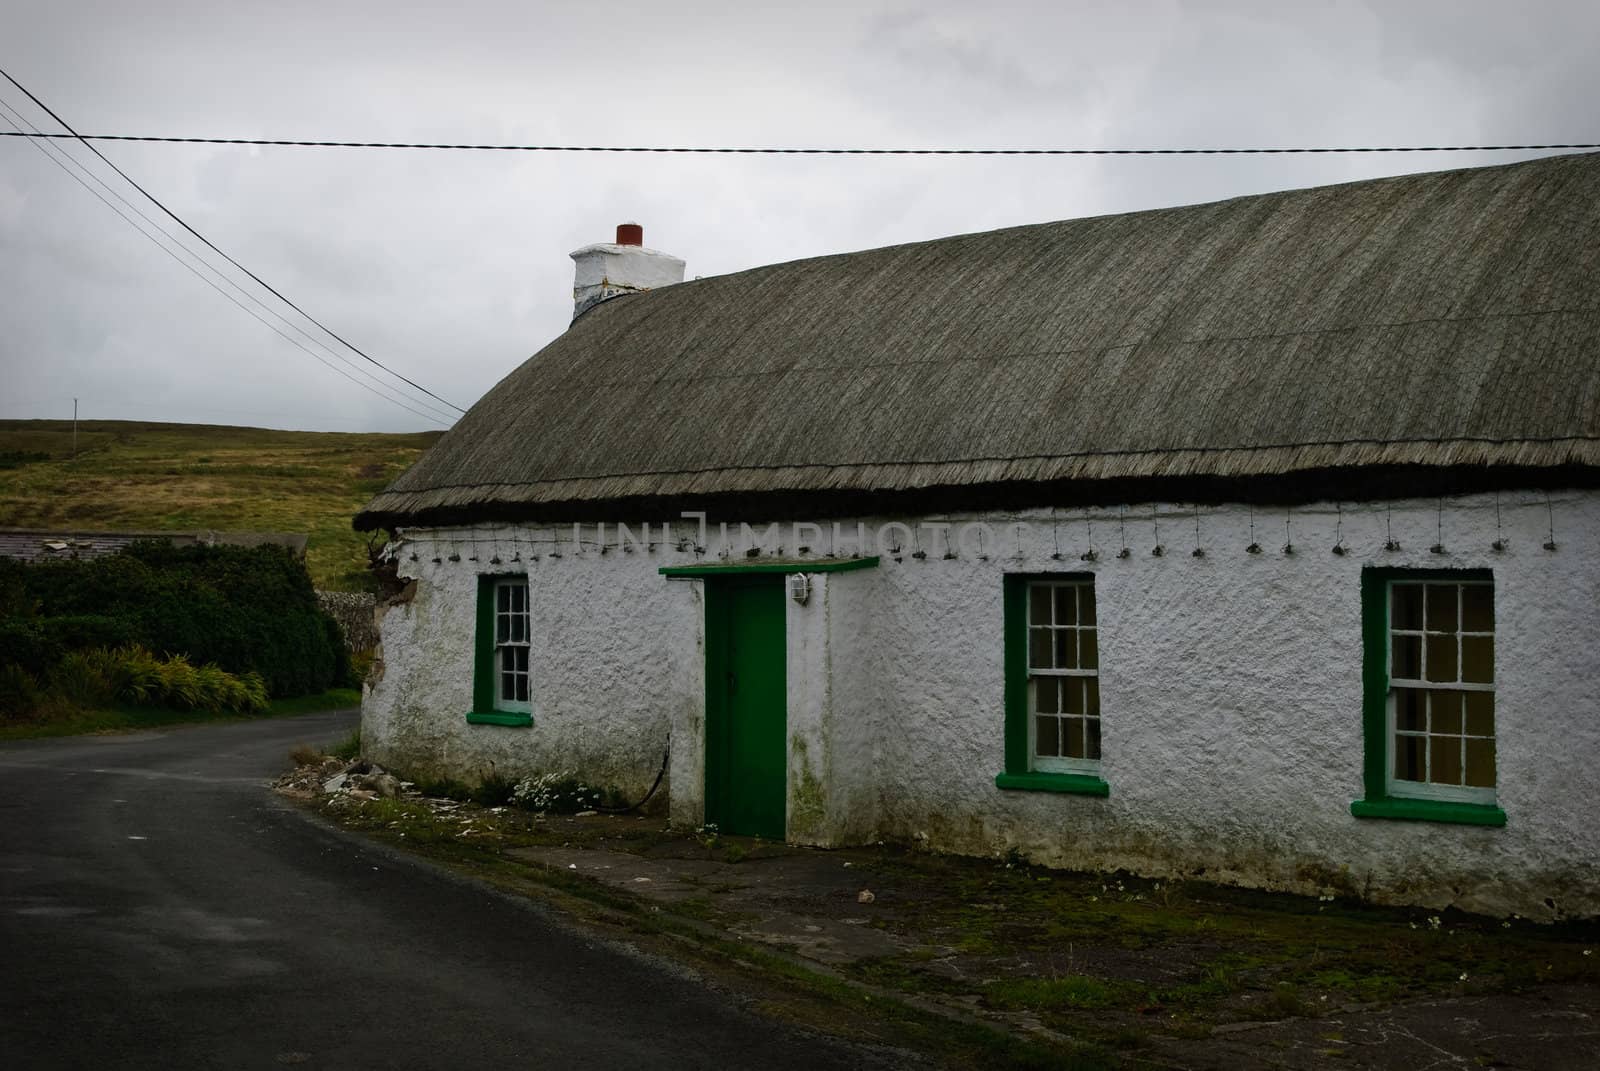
[{"x": 354, "y": 612}]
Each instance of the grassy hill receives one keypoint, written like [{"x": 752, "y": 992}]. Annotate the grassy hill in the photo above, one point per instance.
[{"x": 188, "y": 476}]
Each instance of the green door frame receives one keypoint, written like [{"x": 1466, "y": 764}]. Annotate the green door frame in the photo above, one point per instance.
[{"x": 746, "y": 727}]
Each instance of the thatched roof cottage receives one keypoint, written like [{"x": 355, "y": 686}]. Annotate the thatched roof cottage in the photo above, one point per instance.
[{"x": 1255, "y": 540}]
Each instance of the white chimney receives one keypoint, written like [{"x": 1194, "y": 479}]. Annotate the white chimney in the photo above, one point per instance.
[{"x": 627, "y": 267}]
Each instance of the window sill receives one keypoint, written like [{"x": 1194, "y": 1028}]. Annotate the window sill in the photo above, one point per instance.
[
  {"x": 1077, "y": 784},
  {"x": 1468, "y": 814},
  {"x": 499, "y": 717}
]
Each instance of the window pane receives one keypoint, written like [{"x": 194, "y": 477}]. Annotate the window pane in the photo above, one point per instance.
[
  {"x": 502, "y": 628},
  {"x": 1444, "y": 760},
  {"x": 1086, "y": 604},
  {"x": 502, "y": 598},
  {"x": 1406, "y": 610},
  {"x": 1446, "y": 710},
  {"x": 1441, "y": 657},
  {"x": 1046, "y": 737},
  {"x": 1410, "y": 715},
  {"x": 1408, "y": 758},
  {"x": 1091, "y": 692},
  {"x": 1089, "y": 648},
  {"x": 1407, "y": 658},
  {"x": 521, "y": 659},
  {"x": 1442, "y": 607},
  {"x": 1074, "y": 741},
  {"x": 1480, "y": 763},
  {"x": 1091, "y": 742},
  {"x": 1066, "y": 648},
  {"x": 1477, "y": 608},
  {"x": 1480, "y": 713},
  {"x": 522, "y": 687},
  {"x": 1067, "y": 604},
  {"x": 1072, "y": 688},
  {"x": 1039, "y": 649},
  {"x": 1038, "y": 604},
  {"x": 1046, "y": 694},
  {"x": 1477, "y": 659},
  {"x": 508, "y": 686},
  {"x": 519, "y": 598}
]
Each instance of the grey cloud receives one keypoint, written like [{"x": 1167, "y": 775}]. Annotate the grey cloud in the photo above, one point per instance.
[{"x": 453, "y": 267}]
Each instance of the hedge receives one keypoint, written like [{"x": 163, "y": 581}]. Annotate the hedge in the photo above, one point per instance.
[{"x": 243, "y": 609}]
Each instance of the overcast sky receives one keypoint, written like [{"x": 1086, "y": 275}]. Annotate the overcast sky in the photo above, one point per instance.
[{"x": 452, "y": 267}]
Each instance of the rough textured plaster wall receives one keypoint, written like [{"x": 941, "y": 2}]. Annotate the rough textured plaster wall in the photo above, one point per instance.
[
  {"x": 856, "y": 711},
  {"x": 1231, "y": 690},
  {"x": 810, "y": 717},
  {"x": 609, "y": 663}
]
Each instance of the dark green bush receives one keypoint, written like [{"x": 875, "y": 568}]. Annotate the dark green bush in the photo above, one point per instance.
[
  {"x": 19, "y": 692},
  {"x": 75, "y": 632},
  {"x": 24, "y": 643},
  {"x": 245, "y": 609}
]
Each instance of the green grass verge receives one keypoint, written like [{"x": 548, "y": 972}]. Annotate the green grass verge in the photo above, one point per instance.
[{"x": 128, "y": 719}]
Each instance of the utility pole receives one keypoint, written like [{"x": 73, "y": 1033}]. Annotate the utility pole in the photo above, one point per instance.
[{"x": 74, "y": 429}]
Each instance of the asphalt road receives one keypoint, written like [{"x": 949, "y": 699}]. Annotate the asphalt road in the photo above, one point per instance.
[{"x": 160, "y": 907}]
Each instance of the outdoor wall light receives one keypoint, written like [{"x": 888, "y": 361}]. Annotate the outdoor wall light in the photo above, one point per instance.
[{"x": 799, "y": 587}]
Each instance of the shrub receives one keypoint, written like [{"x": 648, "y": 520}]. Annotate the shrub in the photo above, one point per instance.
[
  {"x": 180, "y": 684},
  {"x": 24, "y": 644},
  {"x": 135, "y": 675},
  {"x": 255, "y": 692},
  {"x": 246, "y": 609},
  {"x": 19, "y": 692},
  {"x": 73, "y": 632},
  {"x": 80, "y": 677}
]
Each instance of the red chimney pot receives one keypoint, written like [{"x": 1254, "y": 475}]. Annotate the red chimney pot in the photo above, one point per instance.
[{"x": 630, "y": 234}]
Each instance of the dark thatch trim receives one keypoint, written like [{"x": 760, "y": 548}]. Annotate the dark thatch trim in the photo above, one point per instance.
[
  {"x": 1447, "y": 321},
  {"x": 1290, "y": 489}
]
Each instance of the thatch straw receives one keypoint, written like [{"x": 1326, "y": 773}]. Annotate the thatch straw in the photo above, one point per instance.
[{"x": 1444, "y": 319}]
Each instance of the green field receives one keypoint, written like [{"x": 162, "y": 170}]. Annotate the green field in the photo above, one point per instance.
[{"x": 136, "y": 475}]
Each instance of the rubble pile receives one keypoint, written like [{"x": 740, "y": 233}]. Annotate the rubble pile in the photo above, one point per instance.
[{"x": 357, "y": 779}]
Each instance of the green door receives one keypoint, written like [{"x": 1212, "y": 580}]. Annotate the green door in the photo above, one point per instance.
[{"x": 746, "y": 706}]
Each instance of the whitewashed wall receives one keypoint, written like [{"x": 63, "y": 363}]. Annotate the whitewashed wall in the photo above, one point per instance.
[{"x": 1230, "y": 688}]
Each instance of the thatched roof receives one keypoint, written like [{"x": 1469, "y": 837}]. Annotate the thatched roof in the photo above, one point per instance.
[{"x": 1438, "y": 320}]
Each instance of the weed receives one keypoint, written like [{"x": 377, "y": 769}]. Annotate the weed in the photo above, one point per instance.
[
  {"x": 495, "y": 790},
  {"x": 1037, "y": 994},
  {"x": 1284, "y": 1002},
  {"x": 444, "y": 788},
  {"x": 304, "y": 755},
  {"x": 555, "y": 793},
  {"x": 348, "y": 748}
]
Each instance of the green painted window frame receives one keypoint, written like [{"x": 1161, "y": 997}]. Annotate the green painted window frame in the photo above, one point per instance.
[
  {"x": 485, "y": 708},
  {"x": 1378, "y": 802},
  {"x": 1018, "y": 774}
]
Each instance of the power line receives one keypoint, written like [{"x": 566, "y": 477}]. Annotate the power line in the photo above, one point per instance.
[
  {"x": 191, "y": 269},
  {"x": 381, "y": 387},
  {"x": 175, "y": 218},
  {"x": 817, "y": 150}
]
